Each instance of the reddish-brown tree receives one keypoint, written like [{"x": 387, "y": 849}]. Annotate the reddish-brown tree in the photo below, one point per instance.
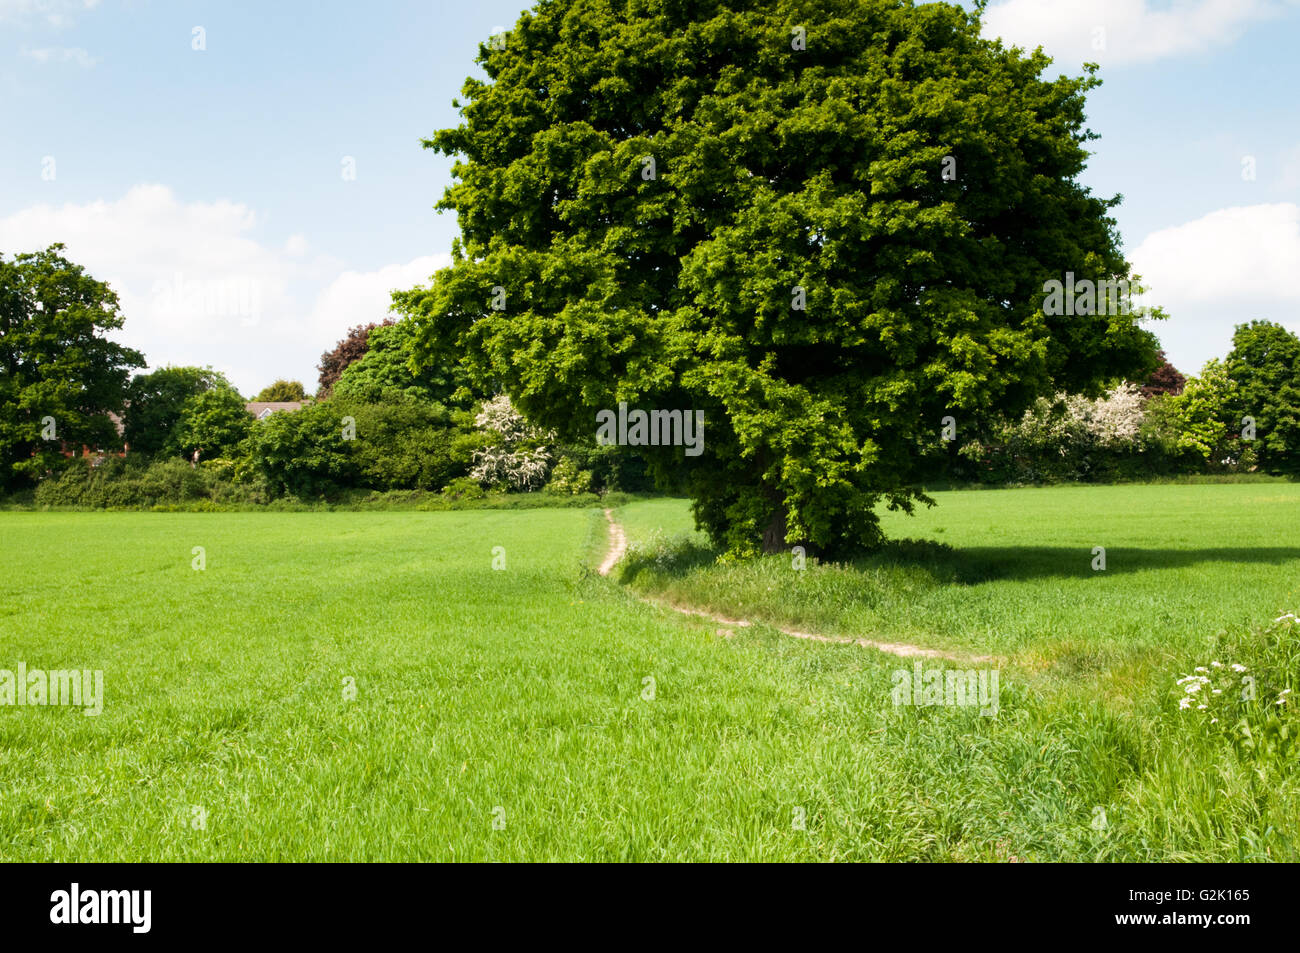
[
  {"x": 352, "y": 348},
  {"x": 1164, "y": 380}
]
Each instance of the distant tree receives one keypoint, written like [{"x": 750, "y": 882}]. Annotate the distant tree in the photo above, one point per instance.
[
  {"x": 1199, "y": 420},
  {"x": 1165, "y": 379},
  {"x": 351, "y": 348},
  {"x": 213, "y": 423},
  {"x": 282, "y": 390},
  {"x": 387, "y": 366},
  {"x": 1265, "y": 364},
  {"x": 59, "y": 374},
  {"x": 155, "y": 402}
]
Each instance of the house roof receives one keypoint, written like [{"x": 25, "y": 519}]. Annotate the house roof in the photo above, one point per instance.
[{"x": 264, "y": 408}]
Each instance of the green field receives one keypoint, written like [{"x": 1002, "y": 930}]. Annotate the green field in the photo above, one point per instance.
[{"x": 509, "y": 715}]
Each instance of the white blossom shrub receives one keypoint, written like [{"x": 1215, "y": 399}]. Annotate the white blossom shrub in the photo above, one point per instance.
[
  {"x": 521, "y": 458},
  {"x": 1113, "y": 421},
  {"x": 1067, "y": 437}
]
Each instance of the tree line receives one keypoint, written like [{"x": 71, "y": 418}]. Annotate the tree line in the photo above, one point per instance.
[
  {"x": 374, "y": 424},
  {"x": 380, "y": 421}
]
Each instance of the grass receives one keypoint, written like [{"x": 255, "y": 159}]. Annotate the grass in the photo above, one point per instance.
[
  {"x": 605, "y": 729},
  {"x": 1010, "y": 573}
]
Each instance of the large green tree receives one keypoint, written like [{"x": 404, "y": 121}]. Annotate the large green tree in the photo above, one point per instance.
[
  {"x": 1265, "y": 364},
  {"x": 213, "y": 423},
  {"x": 825, "y": 225},
  {"x": 60, "y": 375},
  {"x": 155, "y": 402}
]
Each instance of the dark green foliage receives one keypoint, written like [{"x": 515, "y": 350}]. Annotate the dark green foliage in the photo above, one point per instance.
[
  {"x": 386, "y": 367},
  {"x": 612, "y": 468},
  {"x": 213, "y": 423},
  {"x": 303, "y": 453},
  {"x": 405, "y": 443},
  {"x": 124, "y": 483},
  {"x": 154, "y": 405},
  {"x": 1265, "y": 364},
  {"x": 282, "y": 390},
  {"x": 56, "y": 364},
  {"x": 581, "y": 279},
  {"x": 397, "y": 443}
]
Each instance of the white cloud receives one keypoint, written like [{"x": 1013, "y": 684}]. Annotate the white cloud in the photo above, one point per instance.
[
  {"x": 1125, "y": 31},
  {"x": 55, "y": 13},
  {"x": 359, "y": 297},
  {"x": 1226, "y": 268},
  {"x": 197, "y": 286},
  {"x": 61, "y": 54},
  {"x": 296, "y": 246},
  {"x": 1291, "y": 169}
]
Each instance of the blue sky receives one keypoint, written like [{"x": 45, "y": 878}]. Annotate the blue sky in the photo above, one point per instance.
[{"x": 172, "y": 171}]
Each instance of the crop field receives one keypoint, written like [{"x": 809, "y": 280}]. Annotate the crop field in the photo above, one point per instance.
[{"x": 464, "y": 686}]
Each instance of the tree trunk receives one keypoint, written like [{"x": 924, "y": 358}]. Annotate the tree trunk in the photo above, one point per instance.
[{"x": 774, "y": 532}]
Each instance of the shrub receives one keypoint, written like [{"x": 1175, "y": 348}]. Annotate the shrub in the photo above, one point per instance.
[
  {"x": 404, "y": 442},
  {"x": 125, "y": 483},
  {"x": 303, "y": 453},
  {"x": 464, "y": 488},
  {"x": 567, "y": 478},
  {"x": 212, "y": 422},
  {"x": 518, "y": 458}
]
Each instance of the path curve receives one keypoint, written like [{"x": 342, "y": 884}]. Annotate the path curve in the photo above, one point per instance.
[
  {"x": 618, "y": 547},
  {"x": 617, "y": 544}
]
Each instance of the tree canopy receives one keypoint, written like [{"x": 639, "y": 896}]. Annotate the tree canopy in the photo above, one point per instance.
[
  {"x": 1265, "y": 364},
  {"x": 827, "y": 226},
  {"x": 282, "y": 390},
  {"x": 213, "y": 422},
  {"x": 60, "y": 375},
  {"x": 155, "y": 402},
  {"x": 387, "y": 366},
  {"x": 1165, "y": 379},
  {"x": 352, "y": 347}
]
